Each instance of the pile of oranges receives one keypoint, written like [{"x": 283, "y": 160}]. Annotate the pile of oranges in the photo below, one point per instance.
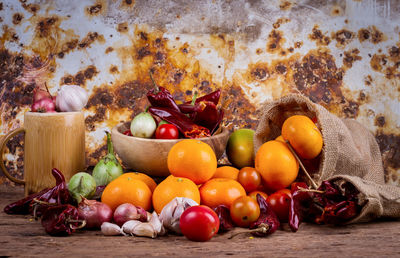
[{"x": 195, "y": 175}]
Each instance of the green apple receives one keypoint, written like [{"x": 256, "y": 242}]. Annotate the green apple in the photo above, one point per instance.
[{"x": 240, "y": 148}]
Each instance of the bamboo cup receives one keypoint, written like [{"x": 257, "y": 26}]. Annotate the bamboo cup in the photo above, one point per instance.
[{"x": 52, "y": 140}]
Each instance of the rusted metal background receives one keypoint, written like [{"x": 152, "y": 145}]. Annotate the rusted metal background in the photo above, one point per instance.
[{"x": 344, "y": 55}]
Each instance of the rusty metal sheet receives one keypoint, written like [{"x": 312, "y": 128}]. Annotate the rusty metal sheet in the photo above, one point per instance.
[{"x": 344, "y": 55}]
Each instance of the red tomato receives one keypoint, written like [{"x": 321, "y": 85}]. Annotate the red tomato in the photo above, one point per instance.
[
  {"x": 280, "y": 204},
  {"x": 254, "y": 194},
  {"x": 249, "y": 178},
  {"x": 199, "y": 223},
  {"x": 244, "y": 210},
  {"x": 167, "y": 131},
  {"x": 128, "y": 132}
]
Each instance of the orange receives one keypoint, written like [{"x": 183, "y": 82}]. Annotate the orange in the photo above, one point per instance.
[
  {"x": 127, "y": 190},
  {"x": 192, "y": 159},
  {"x": 173, "y": 187},
  {"x": 280, "y": 138},
  {"x": 276, "y": 164},
  {"x": 226, "y": 172},
  {"x": 143, "y": 177},
  {"x": 219, "y": 191},
  {"x": 303, "y": 135}
]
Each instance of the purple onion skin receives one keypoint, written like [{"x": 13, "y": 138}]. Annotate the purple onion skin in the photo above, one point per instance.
[
  {"x": 128, "y": 211},
  {"x": 95, "y": 213}
]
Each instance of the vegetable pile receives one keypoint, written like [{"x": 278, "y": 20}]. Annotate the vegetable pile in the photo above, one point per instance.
[
  {"x": 70, "y": 98},
  {"x": 259, "y": 192},
  {"x": 165, "y": 119}
]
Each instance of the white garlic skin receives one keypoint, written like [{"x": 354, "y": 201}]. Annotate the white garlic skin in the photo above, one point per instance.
[
  {"x": 71, "y": 98},
  {"x": 110, "y": 229},
  {"x": 171, "y": 213}
]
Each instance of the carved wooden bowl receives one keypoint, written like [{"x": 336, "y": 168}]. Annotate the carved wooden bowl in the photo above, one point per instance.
[{"x": 149, "y": 156}]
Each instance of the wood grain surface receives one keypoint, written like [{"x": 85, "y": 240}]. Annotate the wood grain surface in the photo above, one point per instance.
[{"x": 23, "y": 236}]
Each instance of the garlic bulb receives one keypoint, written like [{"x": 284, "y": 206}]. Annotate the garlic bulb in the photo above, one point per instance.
[
  {"x": 71, "y": 98},
  {"x": 171, "y": 213}
]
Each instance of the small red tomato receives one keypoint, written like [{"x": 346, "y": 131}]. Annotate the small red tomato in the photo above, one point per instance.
[
  {"x": 254, "y": 194},
  {"x": 167, "y": 131},
  {"x": 128, "y": 132},
  {"x": 249, "y": 178},
  {"x": 280, "y": 204},
  {"x": 244, "y": 210},
  {"x": 199, "y": 223}
]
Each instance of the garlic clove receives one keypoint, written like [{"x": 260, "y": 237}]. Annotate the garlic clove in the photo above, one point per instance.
[
  {"x": 144, "y": 229},
  {"x": 110, "y": 229},
  {"x": 129, "y": 226},
  {"x": 157, "y": 225}
]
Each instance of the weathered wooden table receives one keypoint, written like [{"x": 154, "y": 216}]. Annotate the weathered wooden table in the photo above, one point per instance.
[{"x": 23, "y": 236}]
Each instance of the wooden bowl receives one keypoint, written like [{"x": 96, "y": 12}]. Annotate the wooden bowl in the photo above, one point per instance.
[{"x": 149, "y": 156}]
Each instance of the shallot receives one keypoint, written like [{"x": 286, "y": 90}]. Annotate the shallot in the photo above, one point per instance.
[
  {"x": 44, "y": 105},
  {"x": 128, "y": 211},
  {"x": 94, "y": 212}
]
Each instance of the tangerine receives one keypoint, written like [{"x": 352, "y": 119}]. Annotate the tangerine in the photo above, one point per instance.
[
  {"x": 303, "y": 135},
  {"x": 276, "y": 164},
  {"x": 220, "y": 191},
  {"x": 173, "y": 187},
  {"x": 127, "y": 190},
  {"x": 143, "y": 177},
  {"x": 226, "y": 172},
  {"x": 192, "y": 159}
]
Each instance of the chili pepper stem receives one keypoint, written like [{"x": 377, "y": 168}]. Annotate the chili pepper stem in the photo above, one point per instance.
[
  {"x": 156, "y": 88},
  {"x": 194, "y": 99},
  {"x": 83, "y": 223},
  {"x": 301, "y": 189},
  {"x": 263, "y": 228},
  {"x": 36, "y": 204},
  {"x": 314, "y": 185}
]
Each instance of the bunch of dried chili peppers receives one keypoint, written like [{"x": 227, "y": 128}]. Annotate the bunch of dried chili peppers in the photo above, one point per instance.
[
  {"x": 329, "y": 204},
  {"x": 199, "y": 118},
  {"x": 53, "y": 205}
]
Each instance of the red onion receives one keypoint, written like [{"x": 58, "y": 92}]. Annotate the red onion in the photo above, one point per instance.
[
  {"x": 40, "y": 94},
  {"x": 128, "y": 211},
  {"x": 44, "y": 105},
  {"x": 94, "y": 212}
]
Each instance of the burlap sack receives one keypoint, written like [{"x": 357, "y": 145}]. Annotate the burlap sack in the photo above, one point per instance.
[{"x": 350, "y": 153}]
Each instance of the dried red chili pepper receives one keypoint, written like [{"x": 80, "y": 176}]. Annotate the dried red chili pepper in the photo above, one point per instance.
[
  {"x": 181, "y": 121},
  {"x": 61, "y": 220},
  {"x": 204, "y": 113},
  {"x": 299, "y": 200},
  {"x": 59, "y": 194},
  {"x": 268, "y": 222},
  {"x": 161, "y": 97},
  {"x": 213, "y": 97},
  {"x": 22, "y": 206},
  {"x": 225, "y": 221}
]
